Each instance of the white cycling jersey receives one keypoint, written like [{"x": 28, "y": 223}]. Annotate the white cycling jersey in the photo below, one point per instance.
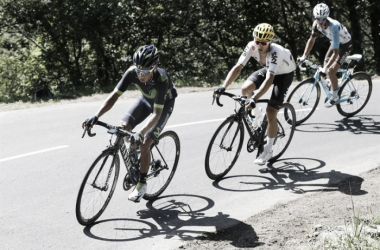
[
  {"x": 278, "y": 60},
  {"x": 334, "y": 31}
]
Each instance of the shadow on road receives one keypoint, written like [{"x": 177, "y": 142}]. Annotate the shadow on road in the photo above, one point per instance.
[
  {"x": 180, "y": 216},
  {"x": 356, "y": 124},
  {"x": 293, "y": 175}
]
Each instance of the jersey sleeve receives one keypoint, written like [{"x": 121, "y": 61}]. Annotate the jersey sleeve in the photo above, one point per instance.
[
  {"x": 335, "y": 36},
  {"x": 246, "y": 55},
  {"x": 124, "y": 83}
]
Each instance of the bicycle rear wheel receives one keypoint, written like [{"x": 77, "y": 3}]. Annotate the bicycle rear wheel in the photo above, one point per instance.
[
  {"x": 305, "y": 98},
  {"x": 165, "y": 153},
  {"x": 97, "y": 188},
  {"x": 354, "y": 94},
  {"x": 286, "y": 121},
  {"x": 224, "y": 148}
]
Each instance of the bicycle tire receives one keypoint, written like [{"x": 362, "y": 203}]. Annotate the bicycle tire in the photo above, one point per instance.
[
  {"x": 165, "y": 151},
  {"x": 305, "y": 108},
  {"x": 216, "y": 156},
  {"x": 357, "y": 90},
  {"x": 88, "y": 212},
  {"x": 286, "y": 120}
]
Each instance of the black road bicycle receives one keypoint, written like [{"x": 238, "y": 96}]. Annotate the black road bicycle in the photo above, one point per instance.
[
  {"x": 227, "y": 141},
  {"x": 100, "y": 180}
]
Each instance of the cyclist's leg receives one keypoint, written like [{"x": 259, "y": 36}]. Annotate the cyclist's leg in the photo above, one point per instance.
[
  {"x": 153, "y": 134},
  {"x": 281, "y": 84},
  {"x": 137, "y": 113},
  {"x": 253, "y": 82}
]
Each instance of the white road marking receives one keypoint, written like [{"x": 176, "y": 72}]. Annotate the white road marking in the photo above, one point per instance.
[
  {"x": 34, "y": 153},
  {"x": 194, "y": 123},
  {"x": 215, "y": 120},
  {"x": 65, "y": 146}
]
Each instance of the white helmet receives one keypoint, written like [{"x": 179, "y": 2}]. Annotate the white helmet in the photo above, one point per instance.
[{"x": 321, "y": 10}]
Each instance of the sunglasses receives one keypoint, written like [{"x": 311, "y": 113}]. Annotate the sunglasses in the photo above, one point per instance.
[
  {"x": 143, "y": 72},
  {"x": 262, "y": 43},
  {"x": 321, "y": 18}
]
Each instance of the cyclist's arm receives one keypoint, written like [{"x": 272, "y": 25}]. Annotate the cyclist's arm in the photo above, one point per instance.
[
  {"x": 309, "y": 45},
  {"x": 232, "y": 75},
  {"x": 264, "y": 86},
  {"x": 334, "y": 45},
  {"x": 157, "y": 111},
  {"x": 108, "y": 103}
]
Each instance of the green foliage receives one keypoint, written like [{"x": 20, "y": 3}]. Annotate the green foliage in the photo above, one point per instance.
[{"x": 84, "y": 47}]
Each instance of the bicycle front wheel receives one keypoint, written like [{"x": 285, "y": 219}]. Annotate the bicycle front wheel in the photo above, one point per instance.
[
  {"x": 165, "y": 153},
  {"x": 97, "y": 188},
  {"x": 224, "y": 148},
  {"x": 354, "y": 94},
  {"x": 305, "y": 98},
  {"x": 286, "y": 121}
]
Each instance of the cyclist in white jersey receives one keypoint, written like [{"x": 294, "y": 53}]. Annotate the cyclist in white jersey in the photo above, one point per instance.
[
  {"x": 278, "y": 69},
  {"x": 340, "y": 47}
]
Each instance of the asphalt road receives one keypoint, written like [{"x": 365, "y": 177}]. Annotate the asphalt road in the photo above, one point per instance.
[{"x": 43, "y": 160}]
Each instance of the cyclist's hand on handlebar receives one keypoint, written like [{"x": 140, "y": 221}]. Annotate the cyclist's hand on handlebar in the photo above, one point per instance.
[
  {"x": 250, "y": 104},
  {"x": 323, "y": 70},
  {"x": 218, "y": 91},
  {"x": 137, "y": 139},
  {"x": 301, "y": 59},
  {"x": 88, "y": 123}
]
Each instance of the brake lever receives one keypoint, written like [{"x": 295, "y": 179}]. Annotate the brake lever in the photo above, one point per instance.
[{"x": 88, "y": 133}]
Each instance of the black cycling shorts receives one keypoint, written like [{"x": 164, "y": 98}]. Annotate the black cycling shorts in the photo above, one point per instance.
[
  {"x": 141, "y": 109},
  {"x": 281, "y": 84},
  {"x": 344, "y": 51}
]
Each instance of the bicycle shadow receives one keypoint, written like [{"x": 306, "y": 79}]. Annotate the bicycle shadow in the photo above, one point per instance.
[
  {"x": 356, "y": 125},
  {"x": 293, "y": 175},
  {"x": 174, "y": 216}
]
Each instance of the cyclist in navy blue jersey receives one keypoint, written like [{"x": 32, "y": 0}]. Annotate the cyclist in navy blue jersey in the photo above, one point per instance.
[
  {"x": 158, "y": 98},
  {"x": 340, "y": 47}
]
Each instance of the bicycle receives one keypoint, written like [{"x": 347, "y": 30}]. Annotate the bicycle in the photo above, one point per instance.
[
  {"x": 100, "y": 180},
  {"x": 354, "y": 91},
  {"x": 226, "y": 143}
]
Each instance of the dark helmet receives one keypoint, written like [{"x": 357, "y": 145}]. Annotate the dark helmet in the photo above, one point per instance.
[{"x": 146, "y": 56}]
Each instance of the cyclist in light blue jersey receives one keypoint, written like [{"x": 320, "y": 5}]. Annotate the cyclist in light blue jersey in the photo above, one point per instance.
[{"x": 340, "y": 47}]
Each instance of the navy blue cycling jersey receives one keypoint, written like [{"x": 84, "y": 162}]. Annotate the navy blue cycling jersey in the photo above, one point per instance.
[{"x": 156, "y": 91}]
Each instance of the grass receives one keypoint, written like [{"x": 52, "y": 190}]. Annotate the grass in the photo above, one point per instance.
[{"x": 362, "y": 233}]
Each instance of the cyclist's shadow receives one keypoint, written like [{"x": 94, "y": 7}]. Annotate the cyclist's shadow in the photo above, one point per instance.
[
  {"x": 179, "y": 216},
  {"x": 357, "y": 125},
  {"x": 293, "y": 175}
]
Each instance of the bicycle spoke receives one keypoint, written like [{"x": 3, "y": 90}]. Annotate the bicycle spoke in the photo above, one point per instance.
[
  {"x": 224, "y": 149},
  {"x": 164, "y": 161},
  {"x": 354, "y": 94},
  {"x": 93, "y": 197}
]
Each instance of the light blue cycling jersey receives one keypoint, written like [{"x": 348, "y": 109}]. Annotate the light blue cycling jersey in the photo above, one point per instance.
[{"x": 334, "y": 31}]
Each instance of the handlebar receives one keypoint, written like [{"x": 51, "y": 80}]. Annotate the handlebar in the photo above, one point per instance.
[
  {"x": 238, "y": 98},
  {"x": 111, "y": 129},
  {"x": 308, "y": 63}
]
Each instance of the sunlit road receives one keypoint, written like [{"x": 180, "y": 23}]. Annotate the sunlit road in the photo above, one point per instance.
[{"x": 43, "y": 160}]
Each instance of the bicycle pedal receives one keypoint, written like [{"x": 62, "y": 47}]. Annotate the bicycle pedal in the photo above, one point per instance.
[{"x": 251, "y": 146}]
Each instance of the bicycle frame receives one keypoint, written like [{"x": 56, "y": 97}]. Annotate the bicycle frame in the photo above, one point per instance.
[{"x": 323, "y": 83}]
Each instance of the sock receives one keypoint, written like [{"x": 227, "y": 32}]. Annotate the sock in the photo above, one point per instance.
[
  {"x": 142, "y": 178},
  {"x": 335, "y": 93},
  {"x": 268, "y": 146}
]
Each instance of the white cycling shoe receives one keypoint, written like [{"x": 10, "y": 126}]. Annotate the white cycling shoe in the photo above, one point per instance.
[
  {"x": 331, "y": 102},
  {"x": 138, "y": 192},
  {"x": 264, "y": 157}
]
